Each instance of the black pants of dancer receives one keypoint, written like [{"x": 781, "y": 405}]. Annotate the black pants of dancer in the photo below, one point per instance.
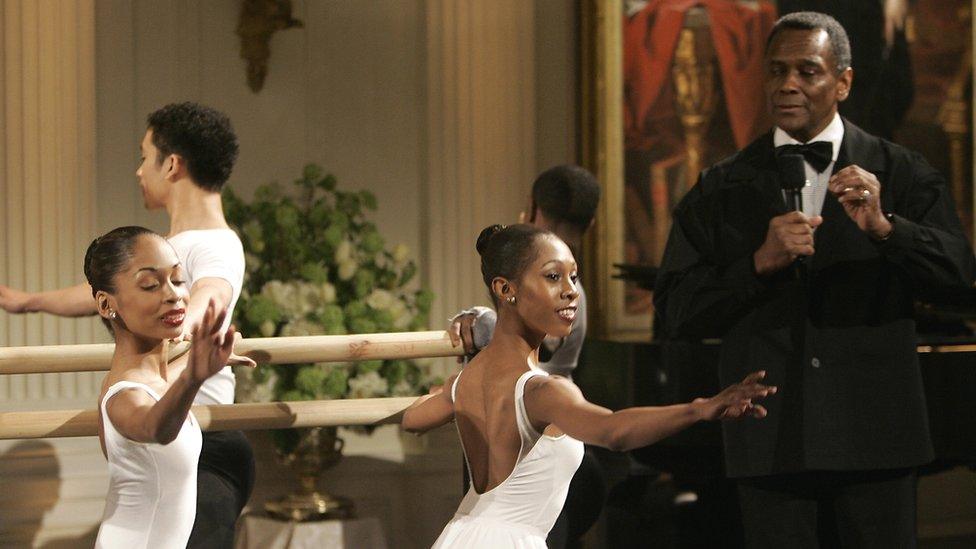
[
  {"x": 225, "y": 478},
  {"x": 862, "y": 509}
]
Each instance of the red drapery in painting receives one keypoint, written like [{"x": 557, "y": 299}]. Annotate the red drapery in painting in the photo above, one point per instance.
[{"x": 650, "y": 37}]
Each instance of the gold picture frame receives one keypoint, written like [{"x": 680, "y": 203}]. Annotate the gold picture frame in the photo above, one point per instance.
[{"x": 601, "y": 112}]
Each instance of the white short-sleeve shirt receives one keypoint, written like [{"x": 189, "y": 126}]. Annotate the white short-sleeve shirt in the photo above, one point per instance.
[{"x": 213, "y": 253}]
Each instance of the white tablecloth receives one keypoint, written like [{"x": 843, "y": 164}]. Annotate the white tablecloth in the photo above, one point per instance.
[{"x": 258, "y": 532}]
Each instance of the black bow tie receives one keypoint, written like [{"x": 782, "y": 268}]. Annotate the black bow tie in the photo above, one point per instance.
[{"x": 818, "y": 154}]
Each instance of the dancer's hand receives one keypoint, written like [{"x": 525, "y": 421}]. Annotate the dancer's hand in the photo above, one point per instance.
[
  {"x": 461, "y": 331},
  {"x": 239, "y": 360},
  {"x": 187, "y": 334},
  {"x": 210, "y": 349},
  {"x": 736, "y": 400},
  {"x": 14, "y": 301}
]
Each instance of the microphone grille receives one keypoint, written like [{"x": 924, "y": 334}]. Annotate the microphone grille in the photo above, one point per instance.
[{"x": 793, "y": 171}]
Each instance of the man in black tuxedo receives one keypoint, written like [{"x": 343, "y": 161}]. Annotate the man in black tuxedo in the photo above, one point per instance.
[{"x": 822, "y": 299}]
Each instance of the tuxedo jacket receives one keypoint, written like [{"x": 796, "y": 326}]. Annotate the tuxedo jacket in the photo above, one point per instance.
[{"x": 836, "y": 333}]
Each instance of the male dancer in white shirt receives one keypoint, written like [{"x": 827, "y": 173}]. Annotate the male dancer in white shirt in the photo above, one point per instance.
[{"x": 188, "y": 153}]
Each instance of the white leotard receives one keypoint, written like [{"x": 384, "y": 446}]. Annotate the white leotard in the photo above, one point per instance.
[
  {"x": 519, "y": 512},
  {"x": 152, "y": 494}
]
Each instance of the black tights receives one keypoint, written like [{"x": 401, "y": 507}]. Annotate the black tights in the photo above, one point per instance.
[{"x": 225, "y": 478}]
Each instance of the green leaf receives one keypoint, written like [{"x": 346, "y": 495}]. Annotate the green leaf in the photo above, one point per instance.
[
  {"x": 424, "y": 299},
  {"x": 315, "y": 272},
  {"x": 312, "y": 172},
  {"x": 336, "y": 383},
  {"x": 362, "y": 326},
  {"x": 333, "y": 235},
  {"x": 369, "y": 366},
  {"x": 259, "y": 309},
  {"x": 310, "y": 380},
  {"x": 372, "y": 242},
  {"x": 327, "y": 183},
  {"x": 368, "y": 200},
  {"x": 407, "y": 274},
  {"x": 363, "y": 282},
  {"x": 356, "y": 309}
]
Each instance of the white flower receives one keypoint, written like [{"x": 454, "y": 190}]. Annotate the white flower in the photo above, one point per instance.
[
  {"x": 327, "y": 293},
  {"x": 368, "y": 385},
  {"x": 347, "y": 269},
  {"x": 343, "y": 251},
  {"x": 309, "y": 297},
  {"x": 401, "y": 315},
  {"x": 246, "y": 390},
  {"x": 381, "y": 299},
  {"x": 403, "y": 322},
  {"x": 281, "y": 294},
  {"x": 401, "y": 253},
  {"x": 293, "y": 299},
  {"x": 251, "y": 262},
  {"x": 397, "y": 309},
  {"x": 328, "y": 365},
  {"x": 403, "y": 388},
  {"x": 301, "y": 327},
  {"x": 267, "y": 328}
]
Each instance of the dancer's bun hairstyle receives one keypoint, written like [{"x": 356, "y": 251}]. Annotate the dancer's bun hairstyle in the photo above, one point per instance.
[
  {"x": 506, "y": 251},
  {"x": 108, "y": 254}
]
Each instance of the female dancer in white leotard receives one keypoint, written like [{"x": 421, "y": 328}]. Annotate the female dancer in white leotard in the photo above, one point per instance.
[
  {"x": 150, "y": 438},
  {"x": 520, "y": 428}
]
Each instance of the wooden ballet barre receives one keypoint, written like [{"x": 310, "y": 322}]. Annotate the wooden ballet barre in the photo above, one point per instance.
[
  {"x": 263, "y": 350},
  {"x": 248, "y": 416}
]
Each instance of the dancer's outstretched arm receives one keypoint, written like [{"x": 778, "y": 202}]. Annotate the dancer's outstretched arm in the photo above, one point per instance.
[
  {"x": 557, "y": 401},
  {"x": 140, "y": 418},
  {"x": 70, "y": 301},
  {"x": 430, "y": 411}
]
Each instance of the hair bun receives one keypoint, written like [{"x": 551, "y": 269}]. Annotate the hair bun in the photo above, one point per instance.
[{"x": 485, "y": 237}]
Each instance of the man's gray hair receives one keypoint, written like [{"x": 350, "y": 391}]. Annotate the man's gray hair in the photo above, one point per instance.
[{"x": 811, "y": 20}]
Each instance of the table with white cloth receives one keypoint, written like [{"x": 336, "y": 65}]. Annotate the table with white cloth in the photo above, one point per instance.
[{"x": 256, "y": 531}]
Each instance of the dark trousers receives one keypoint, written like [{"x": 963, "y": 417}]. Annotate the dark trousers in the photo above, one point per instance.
[
  {"x": 859, "y": 509},
  {"x": 225, "y": 478}
]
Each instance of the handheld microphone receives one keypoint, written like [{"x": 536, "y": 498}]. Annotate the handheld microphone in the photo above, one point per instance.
[{"x": 793, "y": 177}]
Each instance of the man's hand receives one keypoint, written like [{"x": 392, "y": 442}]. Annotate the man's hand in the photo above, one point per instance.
[
  {"x": 859, "y": 191},
  {"x": 789, "y": 236},
  {"x": 14, "y": 301},
  {"x": 462, "y": 332}
]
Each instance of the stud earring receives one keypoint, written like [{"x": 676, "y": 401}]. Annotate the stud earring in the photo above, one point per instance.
[
  {"x": 113, "y": 315},
  {"x": 511, "y": 299}
]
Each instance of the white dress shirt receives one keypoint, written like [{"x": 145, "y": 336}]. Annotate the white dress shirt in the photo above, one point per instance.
[{"x": 814, "y": 193}]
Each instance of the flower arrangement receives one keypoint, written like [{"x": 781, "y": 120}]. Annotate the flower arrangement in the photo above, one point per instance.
[{"x": 315, "y": 265}]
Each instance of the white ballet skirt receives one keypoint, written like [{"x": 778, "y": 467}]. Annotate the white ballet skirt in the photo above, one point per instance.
[
  {"x": 519, "y": 512},
  {"x": 152, "y": 494}
]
